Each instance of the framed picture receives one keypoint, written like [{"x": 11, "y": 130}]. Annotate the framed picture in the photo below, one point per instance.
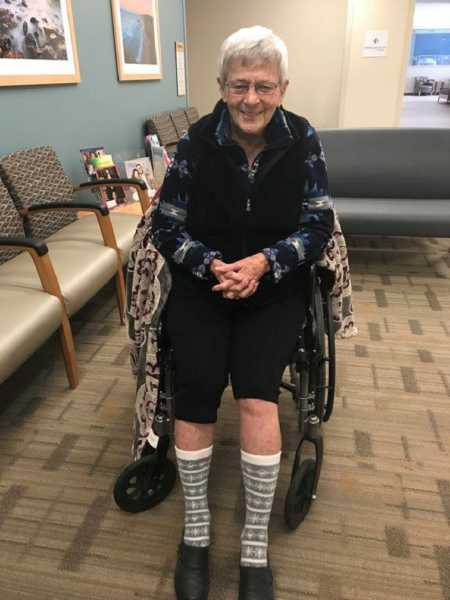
[
  {"x": 87, "y": 154},
  {"x": 37, "y": 43},
  {"x": 112, "y": 195},
  {"x": 141, "y": 168},
  {"x": 137, "y": 39}
]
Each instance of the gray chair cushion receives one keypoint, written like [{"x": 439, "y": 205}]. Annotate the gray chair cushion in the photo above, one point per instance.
[
  {"x": 82, "y": 270},
  {"x": 28, "y": 317},
  {"x": 10, "y": 222},
  {"x": 36, "y": 176},
  {"x": 86, "y": 229},
  {"x": 163, "y": 125},
  {"x": 421, "y": 217},
  {"x": 192, "y": 115},
  {"x": 180, "y": 121}
]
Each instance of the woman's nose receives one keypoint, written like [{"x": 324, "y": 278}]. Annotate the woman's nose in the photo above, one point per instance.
[{"x": 251, "y": 97}]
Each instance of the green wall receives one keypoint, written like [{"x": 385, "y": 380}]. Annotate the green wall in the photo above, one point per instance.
[{"x": 100, "y": 110}]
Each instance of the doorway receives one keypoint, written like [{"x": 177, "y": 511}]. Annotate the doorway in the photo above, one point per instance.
[{"x": 426, "y": 100}]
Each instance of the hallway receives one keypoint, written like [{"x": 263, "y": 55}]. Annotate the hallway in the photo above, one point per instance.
[{"x": 424, "y": 111}]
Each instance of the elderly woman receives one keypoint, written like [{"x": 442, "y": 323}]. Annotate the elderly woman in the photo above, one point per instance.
[{"x": 243, "y": 210}]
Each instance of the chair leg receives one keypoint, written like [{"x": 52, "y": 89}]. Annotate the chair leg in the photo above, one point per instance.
[
  {"x": 120, "y": 293},
  {"x": 68, "y": 350}
]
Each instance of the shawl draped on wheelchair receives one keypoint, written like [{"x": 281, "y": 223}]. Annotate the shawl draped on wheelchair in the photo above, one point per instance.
[{"x": 148, "y": 287}]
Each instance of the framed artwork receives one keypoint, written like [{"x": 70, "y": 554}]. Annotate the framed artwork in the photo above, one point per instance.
[
  {"x": 137, "y": 39},
  {"x": 37, "y": 43},
  {"x": 141, "y": 168},
  {"x": 87, "y": 154}
]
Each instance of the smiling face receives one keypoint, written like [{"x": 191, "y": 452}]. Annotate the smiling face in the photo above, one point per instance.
[{"x": 251, "y": 112}]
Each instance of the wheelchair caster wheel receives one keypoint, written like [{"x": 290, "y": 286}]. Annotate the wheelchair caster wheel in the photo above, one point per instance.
[
  {"x": 300, "y": 494},
  {"x": 144, "y": 484}
]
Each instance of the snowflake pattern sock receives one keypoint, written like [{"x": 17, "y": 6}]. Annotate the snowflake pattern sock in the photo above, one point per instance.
[
  {"x": 193, "y": 469},
  {"x": 260, "y": 475}
]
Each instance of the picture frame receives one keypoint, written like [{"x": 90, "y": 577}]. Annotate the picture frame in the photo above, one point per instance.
[
  {"x": 137, "y": 39},
  {"x": 141, "y": 168},
  {"x": 38, "y": 43},
  {"x": 111, "y": 196},
  {"x": 86, "y": 155}
]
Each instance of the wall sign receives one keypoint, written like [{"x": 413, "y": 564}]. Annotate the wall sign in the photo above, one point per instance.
[
  {"x": 181, "y": 70},
  {"x": 375, "y": 43}
]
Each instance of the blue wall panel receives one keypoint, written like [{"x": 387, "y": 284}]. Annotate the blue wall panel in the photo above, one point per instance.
[{"x": 100, "y": 110}]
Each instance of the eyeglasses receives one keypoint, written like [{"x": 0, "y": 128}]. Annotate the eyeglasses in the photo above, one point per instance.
[{"x": 262, "y": 88}]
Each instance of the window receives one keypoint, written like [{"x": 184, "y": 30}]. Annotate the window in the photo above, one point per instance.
[{"x": 430, "y": 47}]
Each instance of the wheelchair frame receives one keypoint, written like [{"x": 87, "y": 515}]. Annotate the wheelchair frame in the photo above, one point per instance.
[{"x": 146, "y": 482}]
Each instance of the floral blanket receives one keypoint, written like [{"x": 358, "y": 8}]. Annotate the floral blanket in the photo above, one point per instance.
[{"x": 148, "y": 286}]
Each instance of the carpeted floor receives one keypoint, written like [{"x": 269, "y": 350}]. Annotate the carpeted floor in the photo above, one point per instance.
[{"x": 380, "y": 528}]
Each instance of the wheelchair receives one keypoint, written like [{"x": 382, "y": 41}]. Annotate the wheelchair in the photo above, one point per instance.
[{"x": 312, "y": 370}]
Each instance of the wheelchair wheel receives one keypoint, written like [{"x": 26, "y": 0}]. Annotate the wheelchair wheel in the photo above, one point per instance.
[
  {"x": 144, "y": 484},
  {"x": 300, "y": 494}
]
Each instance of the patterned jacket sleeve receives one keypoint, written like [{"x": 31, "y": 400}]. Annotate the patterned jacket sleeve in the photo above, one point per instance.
[
  {"x": 316, "y": 221},
  {"x": 169, "y": 218}
]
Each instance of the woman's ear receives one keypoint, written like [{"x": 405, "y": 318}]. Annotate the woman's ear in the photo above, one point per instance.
[
  {"x": 221, "y": 89},
  {"x": 283, "y": 88}
]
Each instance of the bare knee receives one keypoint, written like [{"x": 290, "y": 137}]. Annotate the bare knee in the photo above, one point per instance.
[
  {"x": 254, "y": 408},
  {"x": 193, "y": 436}
]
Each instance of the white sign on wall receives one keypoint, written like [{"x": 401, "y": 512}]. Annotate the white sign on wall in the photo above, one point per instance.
[
  {"x": 375, "y": 43},
  {"x": 181, "y": 71}
]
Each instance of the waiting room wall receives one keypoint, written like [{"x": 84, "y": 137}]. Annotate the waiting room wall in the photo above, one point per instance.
[
  {"x": 314, "y": 31},
  {"x": 331, "y": 83},
  {"x": 99, "y": 111},
  {"x": 373, "y": 87}
]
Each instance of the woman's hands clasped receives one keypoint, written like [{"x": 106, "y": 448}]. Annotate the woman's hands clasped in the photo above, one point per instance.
[{"x": 240, "y": 279}]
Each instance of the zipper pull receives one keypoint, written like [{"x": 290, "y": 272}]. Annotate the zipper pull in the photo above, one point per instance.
[{"x": 248, "y": 208}]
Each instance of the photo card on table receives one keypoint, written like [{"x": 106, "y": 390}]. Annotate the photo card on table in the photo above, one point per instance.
[{"x": 141, "y": 168}]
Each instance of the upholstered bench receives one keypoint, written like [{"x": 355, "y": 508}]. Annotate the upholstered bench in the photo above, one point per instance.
[{"x": 390, "y": 181}]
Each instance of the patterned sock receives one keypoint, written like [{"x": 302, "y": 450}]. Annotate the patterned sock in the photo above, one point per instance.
[
  {"x": 260, "y": 474},
  {"x": 193, "y": 469}
]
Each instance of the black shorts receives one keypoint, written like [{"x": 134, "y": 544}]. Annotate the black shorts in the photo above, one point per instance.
[{"x": 214, "y": 339}]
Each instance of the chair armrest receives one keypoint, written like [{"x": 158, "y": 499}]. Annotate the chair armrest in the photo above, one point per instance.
[
  {"x": 28, "y": 244},
  {"x": 100, "y": 211},
  {"x": 137, "y": 184},
  {"x": 39, "y": 253},
  {"x": 88, "y": 205}
]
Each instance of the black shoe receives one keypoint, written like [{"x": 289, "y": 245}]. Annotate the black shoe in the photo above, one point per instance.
[
  {"x": 256, "y": 583},
  {"x": 191, "y": 573}
]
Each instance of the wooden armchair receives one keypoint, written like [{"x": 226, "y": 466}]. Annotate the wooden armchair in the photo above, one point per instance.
[
  {"x": 85, "y": 252},
  {"x": 28, "y": 315}
]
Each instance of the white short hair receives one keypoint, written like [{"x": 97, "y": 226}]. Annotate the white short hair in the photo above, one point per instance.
[{"x": 253, "y": 45}]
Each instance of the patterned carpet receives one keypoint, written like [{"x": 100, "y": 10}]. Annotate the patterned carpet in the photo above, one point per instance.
[{"x": 380, "y": 528}]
